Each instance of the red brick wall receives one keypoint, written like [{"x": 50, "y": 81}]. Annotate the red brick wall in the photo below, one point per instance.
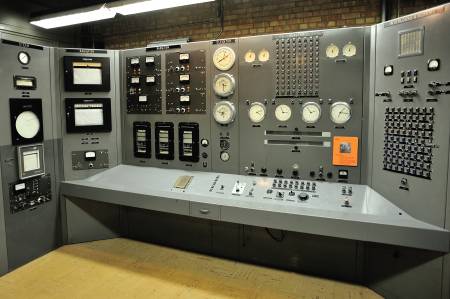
[{"x": 242, "y": 18}]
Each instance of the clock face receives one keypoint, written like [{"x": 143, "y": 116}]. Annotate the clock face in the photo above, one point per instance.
[
  {"x": 257, "y": 112},
  {"x": 340, "y": 113},
  {"x": 27, "y": 124},
  {"x": 24, "y": 58},
  {"x": 224, "y": 58},
  {"x": 224, "y": 112},
  {"x": 224, "y": 85},
  {"x": 283, "y": 112},
  {"x": 349, "y": 50},
  {"x": 311, "y": 112}
]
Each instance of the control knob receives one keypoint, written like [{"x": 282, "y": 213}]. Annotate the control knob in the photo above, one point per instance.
[{"x": 303, "y": 196}]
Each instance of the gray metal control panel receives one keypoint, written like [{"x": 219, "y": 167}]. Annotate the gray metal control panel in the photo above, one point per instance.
[{"x": 29, "y": 222}]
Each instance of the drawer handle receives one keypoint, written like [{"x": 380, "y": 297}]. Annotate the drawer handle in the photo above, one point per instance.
[{"x": 204, "y": 211}]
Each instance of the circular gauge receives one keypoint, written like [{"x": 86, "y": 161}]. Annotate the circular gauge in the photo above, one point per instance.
[
  {"x": 224, "y": 112},
  {"x": 257, "y": 112},
  {"x": 224, "y": 58},
  {"x": 263, "y": 55},
  {"x": 224, "y": 156},
  {"x": 332, "y": 51},
  {"x": 224, "y": 85},
  {"x": 27, "y": 124},
  {"x": 24, "y": 58},
  {"x": 250, "y": 56},
  {"x": 349, "y": 50},
  {"x": 283, "y": 112},
  {"x": 311, "y": 112},
  {"x": 340, "y": 113}
]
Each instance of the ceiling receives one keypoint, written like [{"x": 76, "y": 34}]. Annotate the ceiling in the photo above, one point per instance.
[{"x": 39, "y": 7}]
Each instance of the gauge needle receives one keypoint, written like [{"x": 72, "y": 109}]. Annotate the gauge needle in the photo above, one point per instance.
[
  {"x": 223, "y": 58},
  {"x": 310, "y": 111},
  {"x": 223, "y": 86}
]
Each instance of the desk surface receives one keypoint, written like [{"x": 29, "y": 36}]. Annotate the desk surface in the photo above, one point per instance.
[
  {"x": 121, "y": 268},
  {"x": 332, "y": 209}
]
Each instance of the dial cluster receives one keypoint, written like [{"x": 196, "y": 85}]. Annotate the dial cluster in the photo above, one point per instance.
[{"x": 310, "y": 112}]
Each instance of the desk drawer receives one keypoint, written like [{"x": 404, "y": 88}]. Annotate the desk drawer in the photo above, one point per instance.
[{"x": 206, "y": 211}]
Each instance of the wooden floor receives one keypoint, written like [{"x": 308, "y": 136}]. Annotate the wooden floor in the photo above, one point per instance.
[{"x": 121, "y": 268}]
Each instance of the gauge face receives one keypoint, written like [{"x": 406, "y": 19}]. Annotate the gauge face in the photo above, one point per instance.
[
  {"x": 224, "y": 156},
  {"x": 311, "y": 112},
  {"x": 224, "y": 112},
  {"x": 250, "y": 56},
  {"x": 263, "y": 55},
  {"x": 224, "y": 58},
  {"x": 27, "y": 124},
  {"x": 349, "y": 50},
  {"x": 340, "y": 112},
  {"x": 24, "y": 58},
  {"x": 224, "y": 85},
  {"x": 257, "y": 112},
  {"x": 332, "y": 51},
  {"x": 283, "y": 112}
]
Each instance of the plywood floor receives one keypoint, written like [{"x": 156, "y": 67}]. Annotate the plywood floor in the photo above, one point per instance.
[{"x": 121, "y": 268}]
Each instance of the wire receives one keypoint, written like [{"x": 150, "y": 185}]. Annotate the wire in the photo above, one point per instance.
[{"x": 280, "y": 239}]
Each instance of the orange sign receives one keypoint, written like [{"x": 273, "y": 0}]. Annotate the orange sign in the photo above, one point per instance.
[{"x": 345, "y": 151}]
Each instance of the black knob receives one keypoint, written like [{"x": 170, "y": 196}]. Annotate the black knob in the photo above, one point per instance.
[
  {"x": 279, "y": 171},
  {"x": 303, "y": 196},
  {"x": 312, "y": 173},
  {"x": 295, "y": 172},
  {"x": 263, "y": 170},
  {"x": 329, "y": 175},
  {"x": 204, "y": 155}
]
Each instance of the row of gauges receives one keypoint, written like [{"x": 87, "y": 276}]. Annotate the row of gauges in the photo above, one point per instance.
[
  {"x": 349, "y": 50},
  {"x": 263, "y": 56},
  {"x": 340, "y": 112}
]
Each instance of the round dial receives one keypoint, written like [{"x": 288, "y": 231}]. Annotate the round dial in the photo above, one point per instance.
[
  {"x": 332, "y": 51},
  {"x": 340, "y": 112},
  {"x": 24, "y": 58},
  {"x": 250, "y": 56},
  {"x": 311, "y": 112},
  {"x": 27, "y": 124},
  {"x": 263, "y": 55},
  {"x": 224, "y": 156},
  {"x": 257, "y": 112},
  {"x": 349, "y": 50},
  {"x": 283, "y": 112},
  {"x": 224, "y": 85},
  {"x": 224, "y": 58},
  {"x": 224, "y": 112}
]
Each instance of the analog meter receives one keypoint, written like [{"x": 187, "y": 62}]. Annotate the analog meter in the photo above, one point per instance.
[
  {"x": 349, "y": 50},
  {"x": 250, "y": 56},
  {"x": 311, "y": 112},
  {"x": 224, "y": 58},
  {"x": 24, "y": 58},
  {"x": 257, "y": 112},
  {"x": 283, "y": 112},
  {"x": 27, "y": 124},
  {"x": 332, "y": 51},
  {"x": 263, "y": 55},
  {"x": 340, "y": 113},
  {"x": 224, "y": 85},
  {"x": 224, "y": 112}
]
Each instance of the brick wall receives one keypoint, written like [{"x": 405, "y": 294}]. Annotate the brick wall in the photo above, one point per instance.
[{"x": 243, "y": 18}]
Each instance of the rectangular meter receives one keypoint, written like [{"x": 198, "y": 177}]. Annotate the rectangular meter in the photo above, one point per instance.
[{"x": 184, "y": 78}]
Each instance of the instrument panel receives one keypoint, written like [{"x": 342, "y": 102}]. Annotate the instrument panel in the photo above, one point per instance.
[{"x": 258, "y": 105}]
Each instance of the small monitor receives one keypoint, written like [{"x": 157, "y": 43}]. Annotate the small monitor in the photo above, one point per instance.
[
  {"x": 31, "y": 161},
  {"x": 86, "y": 74},
  {"x": 88, "y": 115}
]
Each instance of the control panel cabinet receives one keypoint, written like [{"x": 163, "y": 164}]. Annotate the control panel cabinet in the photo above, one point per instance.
[
  {"x": 29, "y": 220},
  {"x": 178, "y": 134},
  {"x": 411, "y": 104},
  {"x": 88, "y": 98}
]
